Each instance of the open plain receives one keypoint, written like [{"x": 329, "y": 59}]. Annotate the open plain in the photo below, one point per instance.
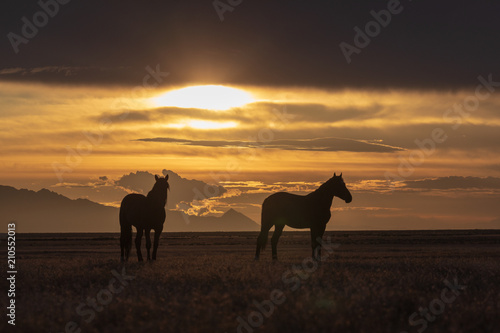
[{"x": 371, "y": 281}]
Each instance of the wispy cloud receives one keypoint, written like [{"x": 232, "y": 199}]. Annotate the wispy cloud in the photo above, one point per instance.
[
  {"x": 318, "y": 144},
  {"x": 61, "y": 70},
  {"x": 455, "y": 182},
  {"x": 125, "y": 116}
]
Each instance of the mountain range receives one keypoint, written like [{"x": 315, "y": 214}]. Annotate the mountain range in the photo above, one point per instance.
[{"x": 47, "y": 211}]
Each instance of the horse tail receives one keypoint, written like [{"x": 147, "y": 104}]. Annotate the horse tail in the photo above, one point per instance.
[
  {"x": 263, "y": 237},
  {"x": 265, "y": 224},
  {"x": 125, "y": 235},
  {"x": 264, "y": 231}
]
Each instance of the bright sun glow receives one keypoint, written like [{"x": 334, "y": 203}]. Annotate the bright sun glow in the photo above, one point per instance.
[
  {"x": 204, "y": 124},
  {"x": 209, "y": 97}
]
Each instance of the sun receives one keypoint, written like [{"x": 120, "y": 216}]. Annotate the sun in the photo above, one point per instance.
[{"x": 209, "y": 97}]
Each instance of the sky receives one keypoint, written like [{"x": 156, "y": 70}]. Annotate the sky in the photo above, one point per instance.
[{"x": 256, "y": 97}]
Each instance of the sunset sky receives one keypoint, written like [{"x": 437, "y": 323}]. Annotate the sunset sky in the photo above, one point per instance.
[{"x": 262, "y": 101}]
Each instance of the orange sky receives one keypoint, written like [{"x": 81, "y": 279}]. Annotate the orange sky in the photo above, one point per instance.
[{"x": 56, "y": 137}]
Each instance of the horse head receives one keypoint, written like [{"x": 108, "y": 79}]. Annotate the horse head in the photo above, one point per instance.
[
  {"x": 160, "y": 189},
  {"x": 162, "y": 183},
  {"x": 340, "y": 189}
]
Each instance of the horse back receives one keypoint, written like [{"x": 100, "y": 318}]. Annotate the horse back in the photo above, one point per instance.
[
  {"x": 139, "y": 211},
  {"x": 132, "y": 209},
  {"x": 296, "y": 211}
]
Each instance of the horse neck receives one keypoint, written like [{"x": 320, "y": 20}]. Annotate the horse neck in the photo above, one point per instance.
[
  {"x": 157, "y": 197},
  {"x": 324, "y": 194}
]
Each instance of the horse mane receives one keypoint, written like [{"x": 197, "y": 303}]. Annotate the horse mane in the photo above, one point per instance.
[
  {"x": 157, "y": 194},
  {"x": 324, "y": 194},
  {"x": 326, "y": 187}
]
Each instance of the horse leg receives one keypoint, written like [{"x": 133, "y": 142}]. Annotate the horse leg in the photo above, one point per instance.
[
  {"x": 317, "y": 233},
  {"x": 148, "y": 242},
  {"x": 128, "y": 244},
  {"x": 138, "y": 243},
  {"x": 278, "y": 229},
  {"x": 122, "y": 247},
  {"x": 262, "y": 239},
  {"x": 157, "y": 241}
]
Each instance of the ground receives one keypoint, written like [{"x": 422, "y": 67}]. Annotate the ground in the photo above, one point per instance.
[{"x": 441, "y": 281}]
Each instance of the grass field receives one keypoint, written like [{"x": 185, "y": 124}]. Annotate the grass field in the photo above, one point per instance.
[{"x": 443, "y": 281}]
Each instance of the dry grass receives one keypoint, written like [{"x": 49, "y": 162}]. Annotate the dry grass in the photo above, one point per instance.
[{"x": 203, "y": 282}]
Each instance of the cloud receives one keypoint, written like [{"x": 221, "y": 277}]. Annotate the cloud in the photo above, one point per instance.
[
  {"x": 377, "y": 126},
  {"x": 140, "y": 181},
  {"x": 101, "y": 190},
  {"x": 319, "y": 144},
  {"x": 258, "y": 187},
  {"x": 127, "y": 116},
  {"x": 110, "y": 192},
  {"x": 256, "y": 113},
  {"x": 201, "y": 208},
  {"x": 34, "y": 71},
  {"x": 181, "y": 189},
  {"x": 67, "y": 74},
  {"x": 173, "y": 114},
  {"x": 455, "y": 182},
  {"x": 304, "y": 50},
  {"x": 329, "y": 114},
  {"x": 14, "y": 70}
]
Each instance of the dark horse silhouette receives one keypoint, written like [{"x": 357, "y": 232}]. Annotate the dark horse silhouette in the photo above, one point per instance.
[
  {"x": 144, "y": 213},
  {"x": 300, "y": 211}
]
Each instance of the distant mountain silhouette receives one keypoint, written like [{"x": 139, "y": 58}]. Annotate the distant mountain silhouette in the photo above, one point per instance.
[
  {"x": 47, "y": 211},
  {"x": 232, "y": 220}
]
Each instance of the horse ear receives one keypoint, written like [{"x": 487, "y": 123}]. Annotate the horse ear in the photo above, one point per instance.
[
  {"x": 156, "y": 177},
  {"x": 341, "y": 174},
  {"x": 166, "y": 177},
  {"x": 334, "y": 175}
]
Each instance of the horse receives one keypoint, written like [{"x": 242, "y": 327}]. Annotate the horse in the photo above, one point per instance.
[
  {"x": 144, "y": 213},
  {"x": 300, "y": 211}
]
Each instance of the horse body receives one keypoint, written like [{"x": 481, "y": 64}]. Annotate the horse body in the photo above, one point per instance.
[
  {"x": 299, "y": 212},
  {"x": 295, "y": 211},
  {"x": 144, "y": 213}
]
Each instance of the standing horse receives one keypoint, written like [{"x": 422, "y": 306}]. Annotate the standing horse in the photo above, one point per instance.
[
  {"x": 144, "y": 213},
  {"x": 300, "y": 211}
]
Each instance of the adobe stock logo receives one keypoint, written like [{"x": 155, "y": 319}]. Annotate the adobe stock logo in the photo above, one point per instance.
[
  {"x": 221, "y": 7},
  {"x": 437, "y": 306},
  {"x": 40, "y": 19}
]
